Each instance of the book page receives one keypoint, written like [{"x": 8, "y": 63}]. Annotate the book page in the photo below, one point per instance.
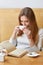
[{"x": 18, "y": 53}]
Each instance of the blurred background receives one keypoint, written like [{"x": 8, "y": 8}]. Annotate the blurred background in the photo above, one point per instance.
[
  {"x": 21, "y": 3},
  {"x": 9, "y": 11}
]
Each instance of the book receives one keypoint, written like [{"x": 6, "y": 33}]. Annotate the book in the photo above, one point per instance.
[
  {"x": 12, "y": 50},
  {"x": 18, "y": 53}
]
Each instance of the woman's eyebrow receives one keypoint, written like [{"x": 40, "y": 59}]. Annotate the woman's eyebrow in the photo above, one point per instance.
[{"x": 25, "y": 21}]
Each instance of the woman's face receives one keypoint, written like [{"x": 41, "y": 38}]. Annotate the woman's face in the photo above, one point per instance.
[{"x": 25, "y": 21}]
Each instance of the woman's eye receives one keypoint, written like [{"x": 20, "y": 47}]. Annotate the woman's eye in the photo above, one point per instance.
[
  {"x": 26, "y": 21},
  {"x": 21, "y": 21}
]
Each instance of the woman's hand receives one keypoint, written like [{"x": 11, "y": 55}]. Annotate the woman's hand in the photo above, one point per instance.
[
  {"x": 16, "y": 32},
  {"x": 4, "y": 51},
  {"x": 29, "y": 36},
  {"x": 27, "y": 32}
]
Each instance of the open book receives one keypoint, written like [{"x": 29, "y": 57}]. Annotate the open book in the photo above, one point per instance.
[
  {"x": 18, "y": 53},
  {"x": 12, "y": 51}
]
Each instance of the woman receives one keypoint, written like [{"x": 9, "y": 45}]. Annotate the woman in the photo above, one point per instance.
[{"x": 27, "y": 38}]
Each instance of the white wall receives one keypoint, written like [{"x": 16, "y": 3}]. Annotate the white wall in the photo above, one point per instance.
[{"x": 21, "y": 3}]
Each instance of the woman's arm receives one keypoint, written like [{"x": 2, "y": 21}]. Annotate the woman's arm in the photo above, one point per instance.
[
  {"x": 13, "y": 41},
  {"x": 13, "y": 38},
  {"x": 40, "y": 41}
]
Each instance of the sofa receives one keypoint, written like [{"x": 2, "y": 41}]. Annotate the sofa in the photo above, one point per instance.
[{"x": 9, "y": 19}]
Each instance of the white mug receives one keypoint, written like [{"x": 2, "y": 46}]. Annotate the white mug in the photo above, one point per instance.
[
  {"x": 2, "y": 54},
  {"x": 2, "y": 57},
  {"x": 21, "y": 27}
]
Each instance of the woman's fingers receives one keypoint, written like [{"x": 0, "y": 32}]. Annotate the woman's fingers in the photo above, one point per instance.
[{"x": 4, "y": 51}]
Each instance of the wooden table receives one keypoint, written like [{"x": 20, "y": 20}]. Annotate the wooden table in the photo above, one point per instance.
[{"x": 25, "y": 60}]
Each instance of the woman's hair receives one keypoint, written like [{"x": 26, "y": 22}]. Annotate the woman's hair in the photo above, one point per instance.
[{"x": 28, "y": 12}]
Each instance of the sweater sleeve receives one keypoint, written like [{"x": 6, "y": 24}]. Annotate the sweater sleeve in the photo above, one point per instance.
[
  {"x": 40, "y": 41},
  {"x": 13, "y": 41}
]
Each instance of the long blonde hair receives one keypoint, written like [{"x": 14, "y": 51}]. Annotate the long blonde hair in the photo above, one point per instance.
[{"x": 28, "y": 12}]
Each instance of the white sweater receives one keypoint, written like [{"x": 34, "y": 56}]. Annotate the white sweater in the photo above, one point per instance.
[{"x": 24, "y": 42}]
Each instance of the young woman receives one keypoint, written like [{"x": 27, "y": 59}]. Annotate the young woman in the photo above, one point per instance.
[{"x": 27, "y": 38}]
